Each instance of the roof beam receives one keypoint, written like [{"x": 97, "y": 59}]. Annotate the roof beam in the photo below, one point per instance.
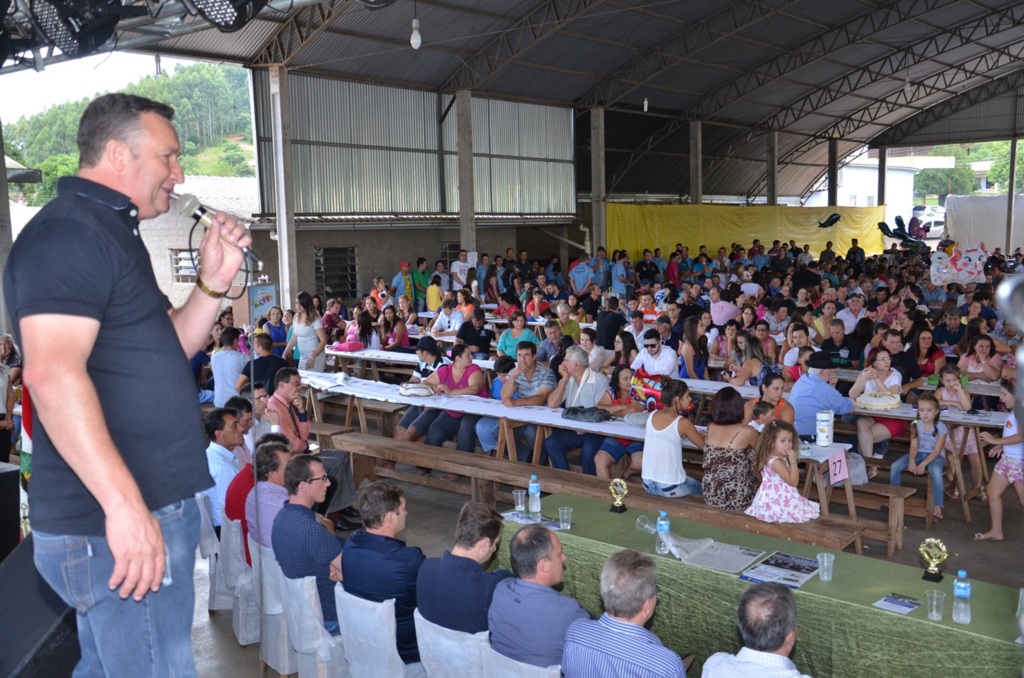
[
  {"x": 541, "y": 23},
  {"x": 299, "y": 31},
  {"x": 681, "y": 48},
  {"x": 895, "y": 134}
]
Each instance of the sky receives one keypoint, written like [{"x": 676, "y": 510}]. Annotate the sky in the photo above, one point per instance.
[{"x": 23, "y": 93}]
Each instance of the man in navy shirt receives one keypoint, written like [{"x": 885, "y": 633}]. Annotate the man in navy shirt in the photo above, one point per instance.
[
  {"x": 379, "y": 567},
  {"x": 528, "y": 618},
  {"x": 454, "y": 591},
  {"x": 476, "y": 335},
  {"x": 302, "y": 544}
]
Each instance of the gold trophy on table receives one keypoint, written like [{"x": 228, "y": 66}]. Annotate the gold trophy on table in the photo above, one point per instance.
[
  {"x": 933, "y": 551},
  {"x": 619, "y": 490}
]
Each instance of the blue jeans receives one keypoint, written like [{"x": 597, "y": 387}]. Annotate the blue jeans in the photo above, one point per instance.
[
  {"x": 558, "y": 444},
  {"x": 487, "y": 433},
  {"x": 935, "y": 471},
  {"x": 617, "y": 450},
  {"x": 446, "y": 427},
  {"x": 688, "y": 487},
  {"x": 122, "y": 637},
  {"x": 524, "y": 436}
]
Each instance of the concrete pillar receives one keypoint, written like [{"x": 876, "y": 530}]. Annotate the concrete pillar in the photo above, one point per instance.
[
  {"x": 464, "y": 143},
  {"x": 6, "y": 237},
  {"x": 1011, "y": 195},
  {"x": 281, "y": 142},
  {"x": 833, "y": 172},
  {"x": 772, "y": 171},
  {"x": 598, "y": 197},
  {"x": 883, "y": 164},
  {"x": 696, "y": 163}
]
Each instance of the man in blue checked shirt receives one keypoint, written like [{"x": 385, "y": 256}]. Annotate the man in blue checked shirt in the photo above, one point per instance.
[{"x": 617, "y": 645}]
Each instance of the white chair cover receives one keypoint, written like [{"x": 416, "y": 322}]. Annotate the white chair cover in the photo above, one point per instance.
[
  {"x": 497, "y": 665},
  {"x": 368, "y": 630},
  {"x": 232, "y": 552},
  {"x": 445, "y": 652},
  {"x": 321, "y": 655},
  {"x": 245, "y": 615},
  {"x": 221, "y": 597},
  {"x": 275, "y": 649}
]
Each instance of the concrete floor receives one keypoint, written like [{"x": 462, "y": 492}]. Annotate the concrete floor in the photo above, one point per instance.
[{"x": 433, "y": 513}]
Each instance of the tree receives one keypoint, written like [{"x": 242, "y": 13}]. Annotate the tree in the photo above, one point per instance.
[
  {"x": 958, "y": 179},
  {"x": 1000, "y": 171},
  {"x": 53, "y": 168}
]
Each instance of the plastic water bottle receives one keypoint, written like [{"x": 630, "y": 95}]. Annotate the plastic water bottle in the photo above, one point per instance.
[
  {"x": 533, "y": 489},
  {"x": 961, "y": 598},
  {"x": 661, "y": 546}
]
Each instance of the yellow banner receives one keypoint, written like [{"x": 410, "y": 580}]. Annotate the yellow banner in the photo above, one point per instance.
[{"x": 634, "y": 227}]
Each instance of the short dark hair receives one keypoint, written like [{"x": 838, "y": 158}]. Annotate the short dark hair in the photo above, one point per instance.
[
  {"x": 113, "y": 117},
  {"x": 766, "y": 614},
  {"x": 506, "y": 363},
  {"x": 214, "y": 420},
  {"x": 240, "y": 404},
  {"x": 284, "y": 374},
  {"x": 267, "y": 460},
  {"x": 478, "y": 313},
  {"x": 264, "y": 341},
  {"x": 298, "y": 471},
  {"x": 229, "y": 336},
  {"x": 727, "y": 407},
  {"x": 378, "y": 500},
  {"x": 477, "y": 521},
  {"x": 526, "y": 346},
  {"x": 529, "y": 546},
  {"x": 652, "y": 334}
]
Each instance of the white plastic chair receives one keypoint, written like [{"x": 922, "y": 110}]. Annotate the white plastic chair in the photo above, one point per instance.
[
  {"x": 445, "y": 652},
  {"x": 221, "y": 597},
  {"x": 321, "y": 655},
  {"x": 245, "y": 615},
  {"x": 369, "y": 633},
  {"x": 275, "y": 650},
  {"x": 497, "y": 665}
]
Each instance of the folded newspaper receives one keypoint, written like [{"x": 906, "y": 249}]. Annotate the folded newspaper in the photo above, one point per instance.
[
  {"x": 711, "y": 554},
  {"x": 783, "y": 568}
]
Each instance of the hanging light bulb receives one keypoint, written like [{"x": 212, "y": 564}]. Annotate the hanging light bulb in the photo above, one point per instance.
[
  {"x": 415, "y": 39},
  {"x": 645, "y": 104}
]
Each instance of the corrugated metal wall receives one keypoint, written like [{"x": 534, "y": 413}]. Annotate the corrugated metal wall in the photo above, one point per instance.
[{"x": 368, "y": 149}]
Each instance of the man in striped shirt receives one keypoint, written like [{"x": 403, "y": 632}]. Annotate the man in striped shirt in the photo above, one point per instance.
[{"x": 617, "y": 645}]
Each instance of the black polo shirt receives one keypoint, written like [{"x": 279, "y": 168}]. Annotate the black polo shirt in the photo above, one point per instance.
[
  {"x": 481, "y": 338},
  {"x": 82, "y": 255}
]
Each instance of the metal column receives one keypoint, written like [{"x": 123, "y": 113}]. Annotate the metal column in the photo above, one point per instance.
[
  {"x": 6, "y": 237},
  {"x": 281, "y": 143},
  {"x": 464, "y": 143},
  {"x": 883, "y": 164},
  {"x": 598, "y": 198},
  {"x": 772, "y": 171},
  {"x": 696, "y": 163},
  {"x": 1011, "y": 195},
  {"x": 833, "y": 172}
]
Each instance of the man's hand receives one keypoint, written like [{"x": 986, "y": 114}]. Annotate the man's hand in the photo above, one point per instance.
[
  {"x": 272, "y": 417},
  {"x": 299, "y": 403},
  {"x": 220, "y": 251},
  {"x": 137, "y": 544}
]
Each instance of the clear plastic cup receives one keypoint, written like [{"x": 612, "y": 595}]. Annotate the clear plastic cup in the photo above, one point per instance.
[
  {"x": 520, "y": 499},
  {"x": 565, "y": 517},
  {"x": 646, "y": 524},
  {"x": 936, "y": 603},
  {"x": 825, "y": 562}
]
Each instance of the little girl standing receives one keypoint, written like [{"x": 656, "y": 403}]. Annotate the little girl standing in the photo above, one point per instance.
[
  {"x": 927, "y": 436},
  {"x": 951, "y": 393},
  {"x": 778, "y": 500},
  {"x": 1009, "y": 469}
]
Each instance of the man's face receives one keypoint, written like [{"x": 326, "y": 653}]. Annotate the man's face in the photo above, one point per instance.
[
  {"x": 553, "y": 334},
  {"x": 542, "y": 280},
  {"x": 317, "y": 483},
  {"x": 557, "y": 559},
  {"x": 837, "y": 333},
  {"x": 245, "y": 422},
  {"x": 462, "y": 256},
  {"x": 259, "y": 396},
  {"x": 781, "y": 314},
  {"x": 799, "y": 339},
  {"x": 664, "y": 329},
  {"x": 952, "y": 322},
  {"x": 289, "y": 389},
  {"x": 856, "y": 302},
  {"x": 526, "y": 359},
  {"x": 277, "y": 477},
  {"x": 522, "y": 256},
  {"x": 637, "y": 323},
  {"x": 151, "y": 169},
  {"x": 647, "y": 257},
  {"x": 440, "y": 267},
  {"x": 401, "y": 516},
  {"x": 478, "y": 323},
  {"x": 484, "y": 259},
  {"x": 563, "y": 314},
  {"x": 892, "y": 344},
  {"x": 646, "y": 301},
  {"x": 227, "y": 320},
  {"x": 657, "y": 253},
  {"x": 714, "y": 294},
  {"x": 230, "y": 435}
]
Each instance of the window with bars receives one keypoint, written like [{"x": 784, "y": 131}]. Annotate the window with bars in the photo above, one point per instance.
[
  {"x": 450, "y": 253},
  {"x": 182, "y": 268},
  {"x": 336, "y": 272}
]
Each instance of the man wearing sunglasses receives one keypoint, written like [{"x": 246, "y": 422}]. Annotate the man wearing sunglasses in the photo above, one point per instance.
[
  {"x": 302, "y": 544},
  {"x": 654, "y": 358}
]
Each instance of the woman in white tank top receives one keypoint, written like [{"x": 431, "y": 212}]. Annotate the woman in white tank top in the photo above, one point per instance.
[{"x": 663, "y": 472}]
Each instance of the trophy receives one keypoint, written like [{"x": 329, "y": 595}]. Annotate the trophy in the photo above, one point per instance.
[
  {"x": 619, "y": 491},
  {"x": 933, "y": 551}
]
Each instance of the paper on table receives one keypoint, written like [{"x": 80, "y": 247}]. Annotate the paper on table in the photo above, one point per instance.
[
  {"x": 524, "y": 518},
  {"x": 895, "y": 602},
  {"x": 711, "y": 554},
  {"x": 784, "y": 568}
]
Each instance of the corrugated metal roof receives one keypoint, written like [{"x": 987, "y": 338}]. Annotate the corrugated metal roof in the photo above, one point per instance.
[{"x": 802, "y": 67}]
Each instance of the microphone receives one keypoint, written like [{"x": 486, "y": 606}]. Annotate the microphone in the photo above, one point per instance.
[{"x": 189, "y": 206}]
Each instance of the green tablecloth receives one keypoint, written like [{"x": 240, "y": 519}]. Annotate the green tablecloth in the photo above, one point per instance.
[{"x": 840, "y": 633}]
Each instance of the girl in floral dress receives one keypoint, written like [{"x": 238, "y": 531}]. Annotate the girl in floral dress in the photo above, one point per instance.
[
  {"x": 778, "y": 500},
  {"x": 951, "y": 393}
]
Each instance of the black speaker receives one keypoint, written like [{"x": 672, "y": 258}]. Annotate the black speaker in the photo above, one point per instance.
[
  {"x": 10, "y": 508},
  {"x": 42, "y": 638}
]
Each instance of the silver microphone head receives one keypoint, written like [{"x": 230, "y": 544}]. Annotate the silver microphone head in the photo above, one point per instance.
[{"x": 187, "y": 204}]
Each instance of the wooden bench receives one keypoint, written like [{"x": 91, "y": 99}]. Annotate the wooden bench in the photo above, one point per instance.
[
  {"x": 387, "y": 415},
  {"x": 487, "y": 473},
  {"x": 875, "y": 496}
]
